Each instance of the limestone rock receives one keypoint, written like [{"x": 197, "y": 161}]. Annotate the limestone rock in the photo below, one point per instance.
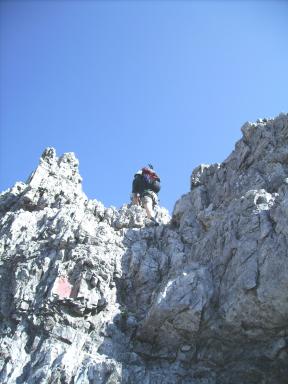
[{"x": 98, "y": 295}]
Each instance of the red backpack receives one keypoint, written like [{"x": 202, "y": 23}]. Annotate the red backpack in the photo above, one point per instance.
[{"x": 152, "y": 180}]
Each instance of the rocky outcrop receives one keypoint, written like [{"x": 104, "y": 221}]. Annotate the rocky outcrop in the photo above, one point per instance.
[{"x": 97, "y": 295}]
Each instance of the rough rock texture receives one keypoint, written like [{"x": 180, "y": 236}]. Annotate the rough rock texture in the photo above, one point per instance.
[{"x": 96, "y": 295}]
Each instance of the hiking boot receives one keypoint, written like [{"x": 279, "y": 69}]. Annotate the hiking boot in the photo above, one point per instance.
[{"x": 154, "y": 221}]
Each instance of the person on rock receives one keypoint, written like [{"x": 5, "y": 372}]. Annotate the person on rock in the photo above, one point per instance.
[{"x": 145, "y": 187}]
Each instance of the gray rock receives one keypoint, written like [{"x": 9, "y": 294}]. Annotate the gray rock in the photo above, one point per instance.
[{"x": 95, "y": 295}]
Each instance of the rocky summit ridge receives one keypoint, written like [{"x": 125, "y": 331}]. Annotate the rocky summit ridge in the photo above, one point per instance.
[{"x": 94, "y": 295}]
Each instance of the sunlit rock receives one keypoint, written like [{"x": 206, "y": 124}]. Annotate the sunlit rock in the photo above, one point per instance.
[{"x": 91, "y": 294}]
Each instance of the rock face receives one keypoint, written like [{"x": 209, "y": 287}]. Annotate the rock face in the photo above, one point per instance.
[{"x": 96, "y": 295}]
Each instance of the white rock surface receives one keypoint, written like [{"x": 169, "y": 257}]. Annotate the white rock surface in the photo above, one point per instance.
[{"x": 97, "y": 295}]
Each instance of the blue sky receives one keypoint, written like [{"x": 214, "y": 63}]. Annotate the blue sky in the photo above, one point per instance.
[{"x": 126, "y": 83}]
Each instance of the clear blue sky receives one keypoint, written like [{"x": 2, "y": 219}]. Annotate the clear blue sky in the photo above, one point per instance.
[{"x": 126, "y": 83}]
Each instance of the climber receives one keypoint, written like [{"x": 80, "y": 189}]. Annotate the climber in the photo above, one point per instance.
[{"x": 145, "y": 186}]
